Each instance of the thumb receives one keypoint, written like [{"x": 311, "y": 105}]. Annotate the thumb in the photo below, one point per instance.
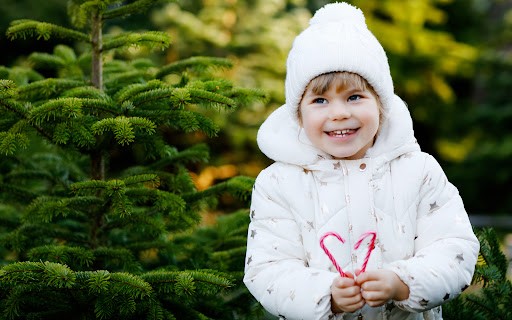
[
  {"x": 358, "y": 271},
  {"x": 349, "y": 274}
]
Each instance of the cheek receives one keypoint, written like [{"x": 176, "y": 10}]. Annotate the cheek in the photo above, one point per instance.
[
  {"x": 309, "y": 121},
  {"x": 373, "y": 117}
]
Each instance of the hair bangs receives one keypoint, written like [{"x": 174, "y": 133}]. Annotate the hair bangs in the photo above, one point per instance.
[{"x": 342, "y": 80}]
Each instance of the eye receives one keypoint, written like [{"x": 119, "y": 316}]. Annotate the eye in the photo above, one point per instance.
[
  {"x": 354, "y": 97},
  {"x": 319, "y": 100}
]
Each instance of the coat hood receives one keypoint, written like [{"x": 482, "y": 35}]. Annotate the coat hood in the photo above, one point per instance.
[{"x": 282, "y": 139}]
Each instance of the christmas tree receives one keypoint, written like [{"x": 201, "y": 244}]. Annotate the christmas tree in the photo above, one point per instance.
[
  {"x": 96, "y": 194},
  {"x": 493, "y": 298}
]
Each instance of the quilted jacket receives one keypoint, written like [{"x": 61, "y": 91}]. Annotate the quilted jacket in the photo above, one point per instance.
[{"x": 423, "y": 231}]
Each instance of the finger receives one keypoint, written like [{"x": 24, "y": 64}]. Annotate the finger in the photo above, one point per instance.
[
  {"x": 340, "y": 282},
  {"x": 358, "y": 272},
  {"x": 354, "y": 307},
  {"x": 371, "y": 285},
  {"x": 376, "y": 303},
  {"x": 345, "y": 292},
  {"x": 350, "y": 292},
  {"x": 367, "y": 276},
  {"x": 374, "y": 298},
  {"x": 349, "y": 275},
  {"x": 349, "y": 304}
]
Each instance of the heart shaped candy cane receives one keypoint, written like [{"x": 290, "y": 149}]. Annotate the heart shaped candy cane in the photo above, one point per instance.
[
  {"x": 329, "y": 254},
  {"x": 371, "y": 246}
]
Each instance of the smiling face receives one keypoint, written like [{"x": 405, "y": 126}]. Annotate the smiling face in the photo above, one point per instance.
[{"x": 340, "y": 114}]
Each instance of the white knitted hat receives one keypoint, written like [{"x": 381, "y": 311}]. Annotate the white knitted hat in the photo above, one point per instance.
[{"x": 337, "y": 40}]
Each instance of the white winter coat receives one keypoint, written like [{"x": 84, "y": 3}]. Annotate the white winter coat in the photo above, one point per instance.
[{"x": 423, "y": 231}]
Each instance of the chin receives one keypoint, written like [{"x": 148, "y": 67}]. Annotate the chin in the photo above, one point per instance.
[{"x": 342, "y": 156}]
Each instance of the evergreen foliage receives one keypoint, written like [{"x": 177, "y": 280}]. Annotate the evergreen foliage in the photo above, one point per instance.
[
  {"x": 94, "y": 197},
  {"x": 494, "y": 299}
]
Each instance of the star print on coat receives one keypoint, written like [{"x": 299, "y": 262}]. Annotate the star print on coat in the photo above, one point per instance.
[
  {"x": 253, "y": 213},
  {"x": 337, "y": 165},
  {"x": 464, "y": 288},
  {"x": 270, "y": 289},
  {"x": 292, "y": 294},
  {"x": 459, "y": 258},
  {"x": 446, "y": 297},
  {"x": 308, "y": 255},
  {"x": 253, "y": 233},
  {"x": 249, "y": 260},
  {"x": 424, "y": 302},
  {"x": 306, "y": 171},
  {"x": 433, "y": 207},
  {"x": 310, "y": 225}
]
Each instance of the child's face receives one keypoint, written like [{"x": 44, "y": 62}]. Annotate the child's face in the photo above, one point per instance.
[{"x": 341, "y": 122}]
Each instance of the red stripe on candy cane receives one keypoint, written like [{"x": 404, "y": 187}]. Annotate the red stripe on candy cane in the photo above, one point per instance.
[
  {"x": 370, "y": 247},
  {"x": 329, "y": 254}
]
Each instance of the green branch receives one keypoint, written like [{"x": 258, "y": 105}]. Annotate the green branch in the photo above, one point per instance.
[{"x": 24, "y": 28}]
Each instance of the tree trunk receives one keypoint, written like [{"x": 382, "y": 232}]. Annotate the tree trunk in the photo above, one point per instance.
[
  {"x": 97, "y": 158},
  {"x": 97, "y": 48}
]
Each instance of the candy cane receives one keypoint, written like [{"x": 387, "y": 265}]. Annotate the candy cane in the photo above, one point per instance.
[
  {"x": 329, "y": 254},
  {"x": 370, "y": 247}
]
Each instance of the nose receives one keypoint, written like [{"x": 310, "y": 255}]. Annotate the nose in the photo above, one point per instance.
[{"x": 338, "y": 111}]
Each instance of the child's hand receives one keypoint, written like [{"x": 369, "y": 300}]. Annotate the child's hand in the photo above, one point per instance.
[
  {"x": 346, "y": 295},
  {"x": 380, "y": 286}
]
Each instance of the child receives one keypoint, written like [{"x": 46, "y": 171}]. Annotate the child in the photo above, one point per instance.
[{"x": 347, "y": 162}]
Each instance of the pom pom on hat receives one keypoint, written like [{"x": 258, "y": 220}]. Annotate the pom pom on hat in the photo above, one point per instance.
[
  {"x": 338, "y": 12},
  {"x": 337, "y": 40}
]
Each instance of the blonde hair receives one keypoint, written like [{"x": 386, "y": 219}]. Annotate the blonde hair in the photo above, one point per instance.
[{"x": 343, "y": 79}]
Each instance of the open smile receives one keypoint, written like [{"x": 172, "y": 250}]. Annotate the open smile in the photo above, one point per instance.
[{"x": 341, "y": 133}]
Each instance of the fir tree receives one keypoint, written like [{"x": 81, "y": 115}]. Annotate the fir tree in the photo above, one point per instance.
[
  {"x": 494, "y": 299},
  {"x": 83, "y": 234}
]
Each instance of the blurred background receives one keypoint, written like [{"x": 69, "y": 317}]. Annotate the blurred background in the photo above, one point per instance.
[{"x": 451, "y": 61}]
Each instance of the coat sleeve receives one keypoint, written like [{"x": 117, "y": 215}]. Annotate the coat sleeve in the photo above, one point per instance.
[
  {"x": 446, "y": 249},
  {"x": 276, "y": 271}
]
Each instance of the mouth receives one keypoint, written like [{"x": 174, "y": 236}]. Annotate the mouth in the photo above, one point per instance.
[{"x": 341, "y": 133}]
